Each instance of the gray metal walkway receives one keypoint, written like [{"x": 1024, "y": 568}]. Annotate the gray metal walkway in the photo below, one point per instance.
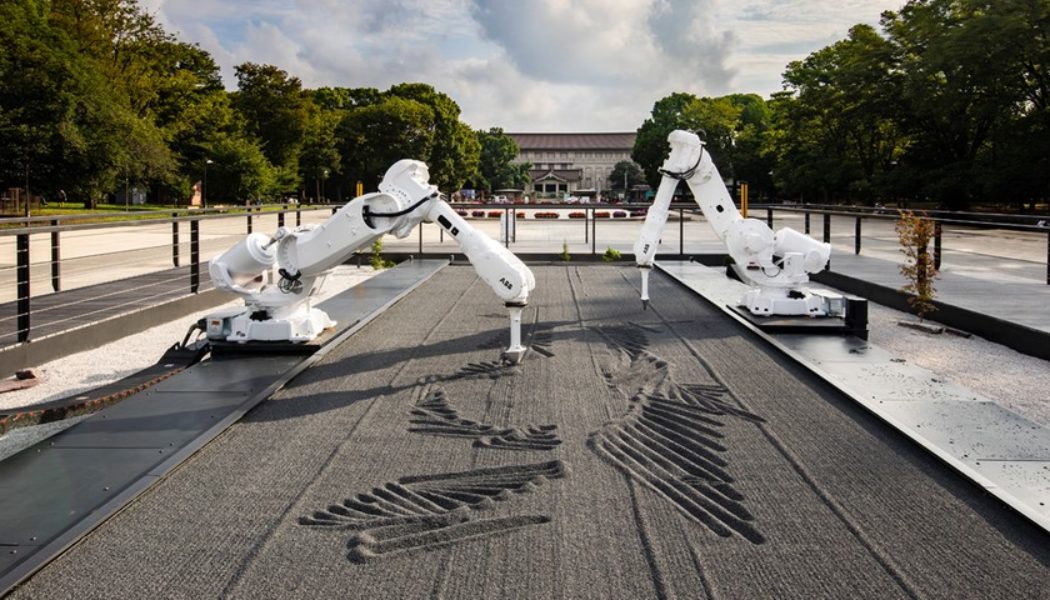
[{"x": 61, "y": 488}]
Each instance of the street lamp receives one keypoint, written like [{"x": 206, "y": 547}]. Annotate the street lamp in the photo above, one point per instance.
[{"x": 204, "y": 188}]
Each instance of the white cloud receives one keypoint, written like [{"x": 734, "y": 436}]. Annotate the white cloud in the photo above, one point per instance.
[{"x": 533, "y": 65}]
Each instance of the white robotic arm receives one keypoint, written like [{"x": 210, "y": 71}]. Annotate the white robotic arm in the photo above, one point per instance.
[
  {"x": 775, "y": 265},
  {"x": 277, "y": 276}
]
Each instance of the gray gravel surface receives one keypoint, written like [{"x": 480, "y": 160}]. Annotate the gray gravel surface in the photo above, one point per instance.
[
  {"x": 1015, "y": 381},
  {"x": 692, "y": 463}
]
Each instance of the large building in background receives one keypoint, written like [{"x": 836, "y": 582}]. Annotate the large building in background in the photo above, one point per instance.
[{"x": 575, "y": 164}]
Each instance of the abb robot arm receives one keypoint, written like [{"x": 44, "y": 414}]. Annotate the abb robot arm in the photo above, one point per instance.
[
  {"x": 774, "y": 264},
  {"x": 278, "y": 275}
]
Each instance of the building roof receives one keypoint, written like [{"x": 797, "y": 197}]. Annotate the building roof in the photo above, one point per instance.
[
  {"x": 574, "y": 141},
  {"x": 556, "y": 174}
]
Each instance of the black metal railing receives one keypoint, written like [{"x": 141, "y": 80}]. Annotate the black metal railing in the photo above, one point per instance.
[
  {"x": 31, "y": 317},
  {"x": 1037, "y": 224},
  {"x": 64, "y": 262}
]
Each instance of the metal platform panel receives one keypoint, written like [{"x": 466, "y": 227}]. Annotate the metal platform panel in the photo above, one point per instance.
[
  {"x": 59, "y": 489},
  {"x": 1001, "y": 451}
]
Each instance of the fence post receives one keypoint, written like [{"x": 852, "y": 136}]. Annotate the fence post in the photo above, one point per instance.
[
  {"x": 807, "y": 223},
  {"x": 298, "y": 215},
  {"x": 856, "y": 234},
  {"x": 827, "y": 236},
  {"x": 280, "y": 215},
  {"x": 506, "y": 238},
  {"x": 56, "y": 258},
  {"x": 594, "y": 233},
  {"x": 195, "y": 256},
  {"x": 769, "y": 216},
  {"x": 248, "y": 205},
  {"x": 175, "y": 239},
  {"x": 681, "y": 231},
  {"x": 22, "y": 250},
  {"x": 936, "y": 245},
  {"x": 587, "y": 226}
]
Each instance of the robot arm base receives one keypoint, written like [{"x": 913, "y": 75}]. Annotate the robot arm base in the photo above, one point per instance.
[{"x": 769, "y": 301}]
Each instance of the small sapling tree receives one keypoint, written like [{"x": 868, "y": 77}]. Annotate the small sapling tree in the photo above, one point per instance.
[
  {"x": 565, "y": 256},
  {"x": 914, "y": 231}
]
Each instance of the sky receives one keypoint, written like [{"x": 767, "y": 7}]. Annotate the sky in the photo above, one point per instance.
[{"x": 525, "y": 65}]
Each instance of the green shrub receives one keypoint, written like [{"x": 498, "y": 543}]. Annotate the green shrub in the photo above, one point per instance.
[
  {"x": 565, "y": 256},
  {"x": 378, "y": 262},
  {"x": 611, "y": 255}
]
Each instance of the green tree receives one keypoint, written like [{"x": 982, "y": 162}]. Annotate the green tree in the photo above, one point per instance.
[
  {"x": 837, "y": 131},
  {"x": 275, "y": 111},
  {"x": 239, "y": 171},
  {"x": 338, "y": 98},
  {"x": 373, "y": 137},
  {"x": 495, "y": 168},
  {"x": 748, "y": 154},
  {"x": 650, "y": 144},
  {"x": 1014, "y": 167},
  {"x": 62, "y": 122},
  {"x": 194, "y": 114},
  {"x": 628, "y": 171},
  {"x": 714, "y": 119},
  {"x": 454, "y": 155},
  {"x": 954, "y": 91}
]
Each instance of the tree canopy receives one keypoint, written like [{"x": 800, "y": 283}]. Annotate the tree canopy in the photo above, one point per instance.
[
  {"x": 946, "y": 102},
  {"x": 628, "y": 172},
  {"x": 97, "y": 94},
  {"x": 496, "y": 170}
]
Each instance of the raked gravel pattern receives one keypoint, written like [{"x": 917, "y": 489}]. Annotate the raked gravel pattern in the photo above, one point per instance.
[{"x": 693, "y": 463}]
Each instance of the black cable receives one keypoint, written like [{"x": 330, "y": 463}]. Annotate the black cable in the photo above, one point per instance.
[
  {"x": 688, "y": 173},
  {"x": 779, "y": 271},
  {"x": 367, "y": 214},
  {"x": 289, "y": 283}
]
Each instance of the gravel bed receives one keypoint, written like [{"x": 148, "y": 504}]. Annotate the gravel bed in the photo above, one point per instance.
[
  {"x": 87, "y": 370},
  {"x": 634, "y": 454},
  {"x": 1015, "y": 381}
]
